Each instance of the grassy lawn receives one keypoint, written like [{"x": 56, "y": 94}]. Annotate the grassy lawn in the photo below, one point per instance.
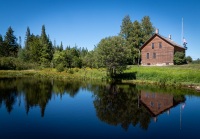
[{"x": 183, "y": 74}]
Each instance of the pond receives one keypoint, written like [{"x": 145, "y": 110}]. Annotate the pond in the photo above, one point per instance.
[{"x": 44, "y": 108}]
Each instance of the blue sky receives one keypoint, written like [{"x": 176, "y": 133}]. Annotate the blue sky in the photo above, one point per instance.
[{"x": 86, "y": 22}]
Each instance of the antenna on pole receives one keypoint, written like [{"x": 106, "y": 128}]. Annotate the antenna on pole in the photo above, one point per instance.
[{"x": 183, "y": 41}]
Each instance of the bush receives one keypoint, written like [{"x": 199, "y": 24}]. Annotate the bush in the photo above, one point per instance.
[
  {"x": 71, "y": 71},
  {"x": 7, "y": 63},
  {"x": 11, "y": 63},
  {"x": 179, "y": 58},
  {"x": 60, "y": 67}
]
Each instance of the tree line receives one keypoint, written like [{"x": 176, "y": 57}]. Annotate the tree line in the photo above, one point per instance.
[{"x": 112, "y": 53}]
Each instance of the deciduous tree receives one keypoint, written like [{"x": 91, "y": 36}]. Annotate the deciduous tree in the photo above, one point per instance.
[
  {"x": 113, "y": 53},
  {"x": 147, "y": 28}
]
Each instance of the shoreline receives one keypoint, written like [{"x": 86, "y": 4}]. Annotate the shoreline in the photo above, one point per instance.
[
  {"x": 194, "y": 86},
  {"x": 91, "y": 75}
]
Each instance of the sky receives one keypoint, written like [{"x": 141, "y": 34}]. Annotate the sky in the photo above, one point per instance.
[{"x": 85, "y": 22}]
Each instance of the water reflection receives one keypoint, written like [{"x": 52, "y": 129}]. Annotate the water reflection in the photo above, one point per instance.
[
  {"x": 119, "y": 106},
  {"x": 125, "y": 106},
  {"x": 8, "y": 93},
  {"x": 36, "y": 92},
  {"x": 122, "y": 105},
  {"x": 157, "y": 103}
]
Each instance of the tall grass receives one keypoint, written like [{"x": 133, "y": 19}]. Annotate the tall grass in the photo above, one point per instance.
[
  {"x": 166, "y": 75},
  {"x": 185, "y": 74},
  {"x": 73, "y": 73}
]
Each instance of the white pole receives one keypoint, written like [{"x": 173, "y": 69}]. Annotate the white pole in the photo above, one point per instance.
[{"x": 182, "y": 33}]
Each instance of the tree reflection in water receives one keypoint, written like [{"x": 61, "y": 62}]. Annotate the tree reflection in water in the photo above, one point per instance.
[
  {"x": 36, "y": 92},
  {"x": 122, "y": 105},
  {"x": 8, "y": 93},
  {"x": 116, "y": 105}
]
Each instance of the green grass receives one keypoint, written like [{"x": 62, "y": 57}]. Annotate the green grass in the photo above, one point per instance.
[
  {"x": 74, "y": 73},
  {"x": 171, "y": 75},
  {"x": 166, "y": 75}
]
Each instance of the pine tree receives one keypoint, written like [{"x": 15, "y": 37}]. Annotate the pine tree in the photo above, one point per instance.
[
  {"x": 27, "y": 37},
  {"x": 61, "y": 46},
  {"x": 11, "y": 46},
  {"x": 1, "y": 39},
  {"x": 44, "y": 38},
  {"x": 1, "y": 45},
  {"x": 20, "y": 42},
  {"x": 34, "y": 51},
  {"x": 46, "y": 49}
]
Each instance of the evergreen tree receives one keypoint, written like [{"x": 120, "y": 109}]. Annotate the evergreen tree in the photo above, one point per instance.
[
  {"x": 46, "y": 49},
  {"x": 59, "y": 58},
  {"x": 10, "y": 46},
  {"x": 20, "y": 42},
  {"x": 1, "y": 39},
  {"x": 27, "y": 37},
  {"x": 25, "y": 54},
  {"x": 69, "y": 58},
  {"x": 1, "y": 45},
  {"x": 54, "y": 43},
  {"x": 20, "y": 51},
  {"x": 44, "y": 38},
  {"x": 61, "y": 46},
  {"x": 34, "y": 51}
]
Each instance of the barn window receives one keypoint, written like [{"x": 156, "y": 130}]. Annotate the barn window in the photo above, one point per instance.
[
  {"x": 154, "y": 55},
  {"x": 147, "y": 55},
  {"x": 160, "y": 44},
  {"x": 152, "y": 104},
  {"x": 152, "y": 45}
]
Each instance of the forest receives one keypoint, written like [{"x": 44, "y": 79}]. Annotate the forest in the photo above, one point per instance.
[{"x": 113, "y": 52}]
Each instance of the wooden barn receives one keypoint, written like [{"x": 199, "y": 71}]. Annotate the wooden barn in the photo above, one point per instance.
[{"x": 159, "y": 50}]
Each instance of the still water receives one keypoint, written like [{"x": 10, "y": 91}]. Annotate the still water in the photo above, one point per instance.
[{"x": 38, "y": 108}]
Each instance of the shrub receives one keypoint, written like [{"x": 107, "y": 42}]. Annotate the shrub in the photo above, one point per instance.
[
  {"x": 76, "y": 69},
  {"x": 60, "y": 67},
  {"x": 71, "y": 71},
  {"x": 11, "y": 63},
  {"x": 179, "y": 58},
  {"x": 7, "y": 63}
]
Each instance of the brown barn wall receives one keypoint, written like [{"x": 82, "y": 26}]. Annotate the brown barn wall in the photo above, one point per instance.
[{"x": 164, "y": 55}]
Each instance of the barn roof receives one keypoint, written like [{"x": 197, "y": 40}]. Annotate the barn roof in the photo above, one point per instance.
[{"x": 163, "y": 38}]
